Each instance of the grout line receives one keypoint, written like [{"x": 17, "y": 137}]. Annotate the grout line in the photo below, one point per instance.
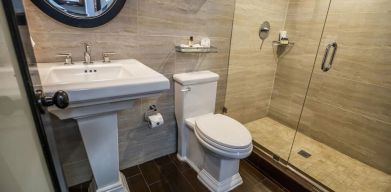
[
  {"x": 134, "y": 175},
  {"x": 338, "y": 76},
  {"x": 145, "y": 181},
  {"x": 155, "y": 182},
  {"x": 349, "y": 111},
  {"x": 192, "y": 186},
  {"x": 286, "y": 13},
  {"x": 181, "y": 172}
]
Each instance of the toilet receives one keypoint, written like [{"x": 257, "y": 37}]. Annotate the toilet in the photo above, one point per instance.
[{"x": 212, "y": 144}]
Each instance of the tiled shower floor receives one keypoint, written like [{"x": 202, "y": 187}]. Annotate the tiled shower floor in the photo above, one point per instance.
[{"x": 334, "y": 169}]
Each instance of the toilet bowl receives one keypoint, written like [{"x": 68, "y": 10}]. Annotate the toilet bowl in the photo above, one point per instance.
[{"x": 212, "y": 144}]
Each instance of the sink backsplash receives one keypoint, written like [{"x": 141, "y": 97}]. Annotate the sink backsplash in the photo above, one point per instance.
[{"x": 147, "y": 31}]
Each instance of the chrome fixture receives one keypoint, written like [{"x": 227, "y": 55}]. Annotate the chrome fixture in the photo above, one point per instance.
[
  {"x": 327, "y": 65},
  {"x": 87, "y": 53},
  {"x": 187, "y": 89},
  {"x": 182, "y": 49},
  {"x": 278, "y": 43},
  {"x": 68, "y": 58},
  {"x": 106, "y": 58},
  {"x": 264, "y": 30}
]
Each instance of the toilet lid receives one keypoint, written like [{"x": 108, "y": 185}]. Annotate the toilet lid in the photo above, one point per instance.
[{"x": 224, "y": 131}]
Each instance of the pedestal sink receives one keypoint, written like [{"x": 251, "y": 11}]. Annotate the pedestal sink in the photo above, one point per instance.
[{"x": 96, "y": 93}]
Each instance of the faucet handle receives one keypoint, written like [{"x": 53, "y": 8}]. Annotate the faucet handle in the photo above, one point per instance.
[
  {"x": 68, "y": 58},
  {"x": 106, "y": 58}
]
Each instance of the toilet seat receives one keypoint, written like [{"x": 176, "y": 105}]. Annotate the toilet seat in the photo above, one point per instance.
[
  {"x": 223, "y": 135},
  {"x": 223, "y": 151},
  {"x": 222, "y": 147},
  {"x": 224, "y": 131}
]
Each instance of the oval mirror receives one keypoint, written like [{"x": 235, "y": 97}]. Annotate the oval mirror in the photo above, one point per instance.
[{"x": 81, "y": 13}]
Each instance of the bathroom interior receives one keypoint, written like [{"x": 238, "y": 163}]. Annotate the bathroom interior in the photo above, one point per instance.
[{"x": 195, "y": 95}]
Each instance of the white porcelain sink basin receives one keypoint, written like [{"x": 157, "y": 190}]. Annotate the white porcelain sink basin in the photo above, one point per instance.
[
  {"x": 101, "y": 81},
  {"x": 81, "y": 74}
]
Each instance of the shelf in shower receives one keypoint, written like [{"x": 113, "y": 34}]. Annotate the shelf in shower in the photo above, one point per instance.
[
  {"x": 210, "y": 49},
  {"x": 278, "y": 43}
]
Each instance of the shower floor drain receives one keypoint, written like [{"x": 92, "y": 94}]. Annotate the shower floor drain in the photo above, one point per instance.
[{"x": 305, "y": 154}]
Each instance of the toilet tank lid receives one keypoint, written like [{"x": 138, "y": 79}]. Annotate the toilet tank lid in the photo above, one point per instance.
[{"x": 196, "y": 77}]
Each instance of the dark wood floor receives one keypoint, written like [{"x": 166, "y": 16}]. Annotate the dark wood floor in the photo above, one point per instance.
[{"x": 168, "y": 174}]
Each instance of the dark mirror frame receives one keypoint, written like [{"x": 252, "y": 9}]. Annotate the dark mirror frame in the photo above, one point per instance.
[{"x": 79, "y": 21}]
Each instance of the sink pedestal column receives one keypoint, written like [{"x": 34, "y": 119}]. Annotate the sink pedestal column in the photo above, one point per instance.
[
  {"x": 98, "y": 126},
  {"x": 100, "y": 138}
]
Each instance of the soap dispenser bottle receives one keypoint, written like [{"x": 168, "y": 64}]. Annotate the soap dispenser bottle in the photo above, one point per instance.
[{"x": 283, "y": 38}]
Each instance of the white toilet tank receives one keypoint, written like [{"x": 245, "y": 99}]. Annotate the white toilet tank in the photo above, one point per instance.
[{"x": 195, "y": 93}]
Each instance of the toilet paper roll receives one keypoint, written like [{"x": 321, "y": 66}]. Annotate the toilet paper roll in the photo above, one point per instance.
[{"x": 155, "y": 120}]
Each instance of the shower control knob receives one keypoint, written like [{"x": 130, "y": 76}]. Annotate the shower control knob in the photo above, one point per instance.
[{"x": 60, "y": 99}]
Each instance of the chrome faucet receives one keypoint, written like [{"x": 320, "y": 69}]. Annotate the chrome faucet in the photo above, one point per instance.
[{"x": 87, "y": 53}]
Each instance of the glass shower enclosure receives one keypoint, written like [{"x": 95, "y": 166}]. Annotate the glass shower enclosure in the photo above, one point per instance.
[{"x": 322, "y": 104}]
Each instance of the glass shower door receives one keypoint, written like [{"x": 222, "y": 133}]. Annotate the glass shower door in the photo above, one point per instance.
[
  {"x": 274, "y": 132},
  {"x": 344, "y": 134}
]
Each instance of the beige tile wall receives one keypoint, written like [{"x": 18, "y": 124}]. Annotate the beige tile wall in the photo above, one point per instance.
[
  {"x": 146, "y": 30},
  {"x": 251, "y": 70},
  {"x": 304, "y": 23},
  {"x": 349, "y": 107}
]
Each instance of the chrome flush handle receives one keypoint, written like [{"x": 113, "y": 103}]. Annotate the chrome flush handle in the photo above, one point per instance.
[{"x": 187, "y": 89}]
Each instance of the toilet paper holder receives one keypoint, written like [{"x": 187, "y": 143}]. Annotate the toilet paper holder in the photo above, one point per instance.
[{"x": 152, "y": 110}]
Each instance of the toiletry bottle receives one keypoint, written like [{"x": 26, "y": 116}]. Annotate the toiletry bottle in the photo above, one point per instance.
[
  {"x": 191, "y": 41},
  {"x": 284, "y": 38}
]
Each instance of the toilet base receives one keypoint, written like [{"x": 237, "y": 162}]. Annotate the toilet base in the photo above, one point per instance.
[
  {"x": 218, "y": 173},
  {"x": 219, "y": 186},
  {"x": 189, "y": 162}
]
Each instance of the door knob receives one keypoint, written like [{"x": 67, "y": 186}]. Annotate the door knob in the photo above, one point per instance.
[{"x": 60, "y": 99}]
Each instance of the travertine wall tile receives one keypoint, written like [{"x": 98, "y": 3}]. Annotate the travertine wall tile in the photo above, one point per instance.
[
  {"x": 348, "y": 108},
  {"x": 361, "y": 137},
  {"x": 251, "y": 69},
  {"x": 304, "y": 23}
]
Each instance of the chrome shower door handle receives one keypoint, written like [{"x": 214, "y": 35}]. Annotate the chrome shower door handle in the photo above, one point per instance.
[{"x": 326, "y": 66}]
